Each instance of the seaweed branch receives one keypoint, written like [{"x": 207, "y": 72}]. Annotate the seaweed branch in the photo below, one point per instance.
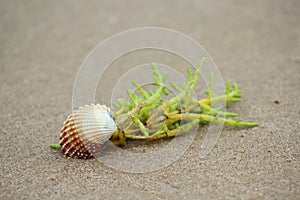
[{"x": 149, "y": 117}]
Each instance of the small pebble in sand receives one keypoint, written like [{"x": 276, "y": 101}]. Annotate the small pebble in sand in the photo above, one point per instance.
[{"x": 277, "y": 102}]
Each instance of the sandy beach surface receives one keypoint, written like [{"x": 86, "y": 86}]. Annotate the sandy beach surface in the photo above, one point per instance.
[{"x": 254, "y": 43}]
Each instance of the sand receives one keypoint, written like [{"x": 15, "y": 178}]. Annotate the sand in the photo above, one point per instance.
[{"x": 255, "y": 43}]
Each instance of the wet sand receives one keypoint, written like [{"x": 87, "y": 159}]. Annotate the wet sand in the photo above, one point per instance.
[{"x": 256, "y": 44}]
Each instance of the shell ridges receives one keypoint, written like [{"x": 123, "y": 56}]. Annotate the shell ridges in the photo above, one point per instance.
[{"x": 86, "y": 131}]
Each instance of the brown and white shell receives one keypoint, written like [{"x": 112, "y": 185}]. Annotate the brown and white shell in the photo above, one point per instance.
[{"x": 86, "y": 131}]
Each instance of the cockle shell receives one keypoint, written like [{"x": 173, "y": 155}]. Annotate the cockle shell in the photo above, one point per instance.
[{"x": 86, "y": 131}]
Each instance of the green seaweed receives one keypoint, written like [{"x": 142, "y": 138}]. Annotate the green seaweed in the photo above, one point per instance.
[{"x": 148, "y": 116}]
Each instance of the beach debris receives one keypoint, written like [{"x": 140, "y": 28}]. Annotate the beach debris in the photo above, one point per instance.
[
  {"x": 147, "y": 116},
  {"x": 86, "y": 131}
]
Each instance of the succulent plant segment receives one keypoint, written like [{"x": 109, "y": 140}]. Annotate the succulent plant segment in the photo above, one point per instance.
[{"x": 152, "y": 115}]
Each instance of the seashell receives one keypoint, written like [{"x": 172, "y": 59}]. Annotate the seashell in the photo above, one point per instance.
[{"x": 86, "y": 131}]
